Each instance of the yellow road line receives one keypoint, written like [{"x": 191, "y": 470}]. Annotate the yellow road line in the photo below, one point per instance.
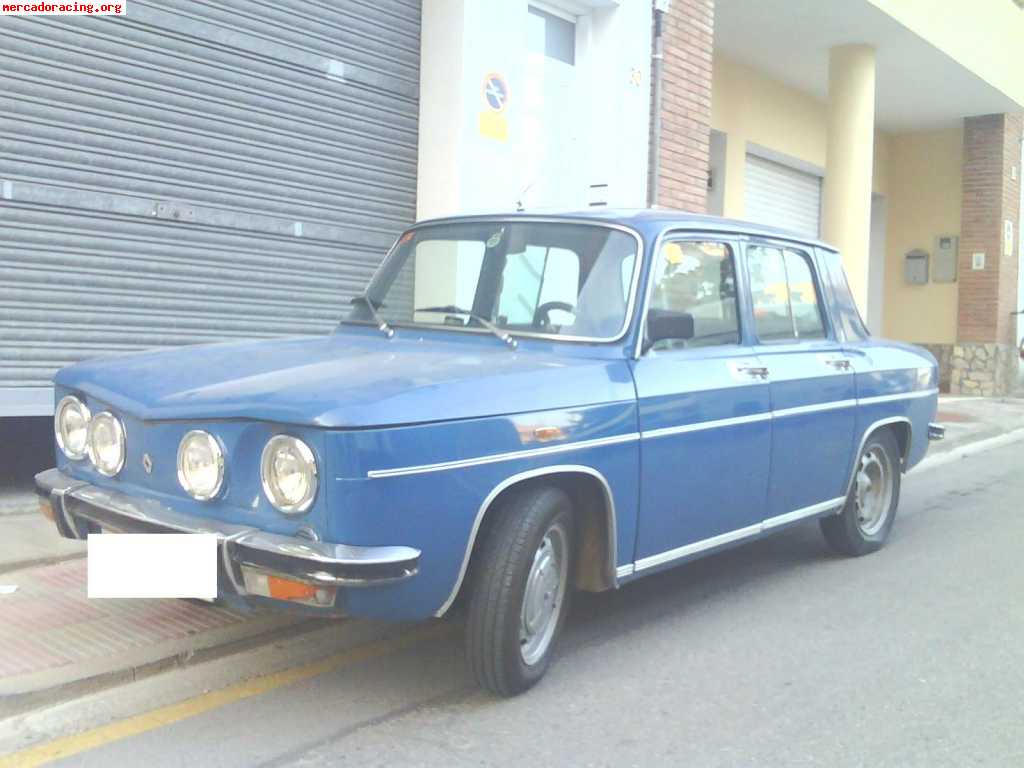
[{"x": 158, "y": 718}]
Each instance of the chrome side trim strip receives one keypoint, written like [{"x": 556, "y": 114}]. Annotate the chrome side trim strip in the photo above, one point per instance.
[
  {"x": 509, "y": 456},
  {"x": 740, "y": 533},
  {"x": 898, "y": 396},
  {"x": 624, "y": 570},
  {"x": 612, "y": 572},
  {"x": 701, "y": 425},
  {"x": 799, "y": 514},
  {"x": 697, "y": 546},
  {"x": 652, "y": 434},
  {"x": 817, "y": 407},
  {"x": 729, "y": 422}
]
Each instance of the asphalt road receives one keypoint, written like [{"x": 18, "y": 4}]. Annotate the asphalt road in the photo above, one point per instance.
[{"x": 774, "y": 654}]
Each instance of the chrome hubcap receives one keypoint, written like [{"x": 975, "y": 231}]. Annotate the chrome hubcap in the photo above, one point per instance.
[
  {"x": 545, "y": 590},
  {"x": 873, "y": 495}
]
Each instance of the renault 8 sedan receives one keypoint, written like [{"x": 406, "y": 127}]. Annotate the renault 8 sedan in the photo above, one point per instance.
[{"x": 518, "y": 406}]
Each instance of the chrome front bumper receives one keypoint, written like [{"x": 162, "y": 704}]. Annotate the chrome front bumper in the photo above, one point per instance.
[{"x": 77, "y": 508}]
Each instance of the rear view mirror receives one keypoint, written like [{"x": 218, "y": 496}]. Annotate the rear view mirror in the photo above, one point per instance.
[{"x": 667, "y": 324}]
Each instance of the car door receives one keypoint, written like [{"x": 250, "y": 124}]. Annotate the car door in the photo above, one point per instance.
[
  {"x": 703, "y": 411},
  {"x": 813, "y": 392}
]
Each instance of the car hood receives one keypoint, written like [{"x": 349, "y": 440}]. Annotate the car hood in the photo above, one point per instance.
[{"x": 348, "y": 379}]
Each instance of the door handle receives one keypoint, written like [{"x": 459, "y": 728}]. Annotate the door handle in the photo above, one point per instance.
[
  {"x": 839, "y": 363},
  {"x": 754, "y": 371}
]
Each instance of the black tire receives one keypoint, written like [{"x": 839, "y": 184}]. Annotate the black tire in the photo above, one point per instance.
[
  {"x": 502, "y": 565},
  {"x": 847, "y": 533}
]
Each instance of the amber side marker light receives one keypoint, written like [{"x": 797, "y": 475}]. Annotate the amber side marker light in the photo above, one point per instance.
[
  {"x": 280, "y": 588},
  {"x": 47, "y": 509}
]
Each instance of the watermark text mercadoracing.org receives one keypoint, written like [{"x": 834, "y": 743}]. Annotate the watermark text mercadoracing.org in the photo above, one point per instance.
[{"x": 63, "y": 9}]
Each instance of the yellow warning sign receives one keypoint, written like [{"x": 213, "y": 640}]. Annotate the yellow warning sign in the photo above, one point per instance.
[{"x": 493, "y": 125}]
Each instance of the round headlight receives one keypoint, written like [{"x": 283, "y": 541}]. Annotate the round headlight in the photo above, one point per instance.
[
  {"x": 71, "y": 424},
  {"x": 106, "y": 443},
  {"x": 288, "y": 471},
  {"x": 200, "y": 465}
]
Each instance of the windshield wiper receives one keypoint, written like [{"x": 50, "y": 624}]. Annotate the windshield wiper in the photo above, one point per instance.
[
  {"x": 454, "y": 310},
  {"x": 370, "y": 304}
]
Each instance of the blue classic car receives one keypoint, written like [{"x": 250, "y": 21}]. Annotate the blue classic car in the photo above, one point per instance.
[{"x": 517, "y": 407}]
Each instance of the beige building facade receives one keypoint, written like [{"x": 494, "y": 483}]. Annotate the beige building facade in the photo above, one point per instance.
[{"x": 892, "y": 131}]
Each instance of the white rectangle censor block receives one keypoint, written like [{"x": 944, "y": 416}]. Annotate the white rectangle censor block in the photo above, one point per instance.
[{"x": 152, "y": 565}]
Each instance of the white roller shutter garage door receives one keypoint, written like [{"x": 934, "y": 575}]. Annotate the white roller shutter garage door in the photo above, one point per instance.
[{"x": 780, "y": 196}]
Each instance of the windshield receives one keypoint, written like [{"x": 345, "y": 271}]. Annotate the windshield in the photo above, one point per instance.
[{"x": 561, "y": 280}]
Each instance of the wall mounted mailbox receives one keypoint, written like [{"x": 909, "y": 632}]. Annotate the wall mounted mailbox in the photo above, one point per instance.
[{"x": 915, "y": 266}]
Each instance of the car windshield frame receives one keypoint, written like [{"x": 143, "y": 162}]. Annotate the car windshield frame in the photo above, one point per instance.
[{"x": 383, "y": 273}]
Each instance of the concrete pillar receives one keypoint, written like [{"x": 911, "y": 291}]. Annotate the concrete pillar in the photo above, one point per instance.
[{"x": 849, "y": 158}]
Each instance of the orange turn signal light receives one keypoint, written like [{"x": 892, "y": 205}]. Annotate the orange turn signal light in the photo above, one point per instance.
[
  {"x": 286, "y": 589},
  {"x": 47, "y": 509}
]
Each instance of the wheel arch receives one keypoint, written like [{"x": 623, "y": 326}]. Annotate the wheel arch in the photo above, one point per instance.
[
  {"x": 902, "y": 429},
  {"x": 594, "y": 505}
]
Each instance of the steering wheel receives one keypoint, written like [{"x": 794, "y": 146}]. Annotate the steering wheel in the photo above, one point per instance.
[{"x": 542, "y": 317}]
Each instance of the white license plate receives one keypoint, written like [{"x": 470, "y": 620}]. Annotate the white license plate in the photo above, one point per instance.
[{"x": 152, "y": 565}]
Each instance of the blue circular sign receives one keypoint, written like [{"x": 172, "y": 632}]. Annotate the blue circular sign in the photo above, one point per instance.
[{"x": 495, "y": 92}]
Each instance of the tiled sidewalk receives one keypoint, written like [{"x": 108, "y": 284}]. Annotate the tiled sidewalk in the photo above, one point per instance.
[
  {"x": 52, "y": 636},
  {"x": 48, "y": 622}
]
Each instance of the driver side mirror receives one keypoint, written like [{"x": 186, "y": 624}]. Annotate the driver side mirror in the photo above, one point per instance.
[{"x": 667, "y": 324}]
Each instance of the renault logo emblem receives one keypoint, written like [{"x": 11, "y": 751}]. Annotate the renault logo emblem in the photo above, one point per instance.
[{"x": 147, "y": 463}]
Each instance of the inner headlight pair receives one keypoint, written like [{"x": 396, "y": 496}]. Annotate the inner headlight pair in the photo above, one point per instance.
[
  {"x": 287, "y": 470},
  {"x": 80, "y": 434}
]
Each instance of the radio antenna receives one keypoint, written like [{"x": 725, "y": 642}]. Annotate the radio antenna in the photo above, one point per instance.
[{"x": 519, "y": 203}]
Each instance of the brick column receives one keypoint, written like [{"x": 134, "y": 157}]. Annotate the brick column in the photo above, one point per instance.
[
  {"x": 686, "y": 105},
  {"x": 984, "y": 360}
]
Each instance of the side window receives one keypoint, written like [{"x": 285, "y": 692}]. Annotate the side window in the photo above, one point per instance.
[
  {"x": 698, "y": 278},
  {"x": 803, "y": 297},
  {"x": 787, "y": 306},
  {"x": 848, "y": 314}
]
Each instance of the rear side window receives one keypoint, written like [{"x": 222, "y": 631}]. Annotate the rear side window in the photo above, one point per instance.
[
  {"x": 847, "y": 315},
  {"x": 787, "y": 305}
]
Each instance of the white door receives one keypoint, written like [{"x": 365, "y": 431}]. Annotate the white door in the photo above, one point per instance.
[
  {"x": 780, "y": 196},
  {"x": 551, "y": 152}
]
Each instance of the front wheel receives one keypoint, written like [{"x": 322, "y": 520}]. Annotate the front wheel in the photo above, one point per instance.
[
  {"x": 520, "y": 590},
  {"x": 865, "y": 522}
]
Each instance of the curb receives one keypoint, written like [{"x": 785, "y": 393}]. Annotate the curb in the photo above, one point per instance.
[
  {"x": 24, "y": 565},
  {"x": 964, "y": 451},
  {"x": 22, "y": 702}
]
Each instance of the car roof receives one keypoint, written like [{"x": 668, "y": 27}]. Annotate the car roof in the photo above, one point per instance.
[{"x": 647, "y": 220}]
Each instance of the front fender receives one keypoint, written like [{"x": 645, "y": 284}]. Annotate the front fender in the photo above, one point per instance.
[{"x": 430, "y": 486}]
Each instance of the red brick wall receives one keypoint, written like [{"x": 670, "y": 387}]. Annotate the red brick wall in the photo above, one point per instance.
[
  {"x": 686, "y": 105},
  {"x": 990, "y": 197}
]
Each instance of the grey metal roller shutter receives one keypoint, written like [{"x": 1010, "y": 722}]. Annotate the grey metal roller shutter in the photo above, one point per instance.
[
  {"x": 781, "y": 196},
  {"x": 194, "y": 172}
]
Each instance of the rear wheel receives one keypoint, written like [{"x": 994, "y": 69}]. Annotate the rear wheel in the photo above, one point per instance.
[
  {"x": 867, "y": 518},
  {"x": 520, "y": 590}
]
